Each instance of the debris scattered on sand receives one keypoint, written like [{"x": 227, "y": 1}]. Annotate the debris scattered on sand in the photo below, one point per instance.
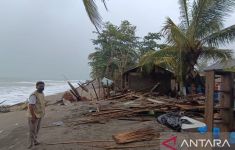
[
  {"x": 4, "y": 109},
  {"x": 58, "y": 123}
]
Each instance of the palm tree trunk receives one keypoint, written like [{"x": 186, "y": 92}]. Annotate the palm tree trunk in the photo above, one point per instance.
[{"x": 190, "y": 62}]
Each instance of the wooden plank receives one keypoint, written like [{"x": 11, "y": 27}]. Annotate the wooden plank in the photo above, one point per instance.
[
  {"x": 119, "y": 96},
  {"x": 232, "y": 106},
  {"x": 210, "y": 84},
  {"x": 224, "y": 101},
  {"x": 134, "y": 136},
  {"x": 189, "y": 107},
  {"x": 227, "y": 102},
  {"x": 155, "y": 101}
]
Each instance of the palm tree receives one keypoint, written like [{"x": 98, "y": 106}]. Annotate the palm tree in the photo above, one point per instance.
[
  {"x": 92, "y": 11},
  {"x": 198, "y": 36}
]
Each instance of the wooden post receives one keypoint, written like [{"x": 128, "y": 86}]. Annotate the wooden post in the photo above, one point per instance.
[
  {"x": 227, "y": 102},
  {"x": 209, "y": 108},
  {"x": 232, "y": 106},
  {"x": 74, "y": 91},
  {"x": 108, "y": 92},
  {"x": 99, "y": 80},
  {"x": 95, "y": 91},
  {"x": 104, "y": 93}
]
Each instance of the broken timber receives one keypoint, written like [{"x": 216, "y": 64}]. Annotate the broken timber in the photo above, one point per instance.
[
  {"x": 74, "y": 91},
  {"x": 134, "y": 136}
]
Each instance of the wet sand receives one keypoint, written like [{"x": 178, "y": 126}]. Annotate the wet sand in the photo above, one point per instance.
[{"x": 14, "y": 129}]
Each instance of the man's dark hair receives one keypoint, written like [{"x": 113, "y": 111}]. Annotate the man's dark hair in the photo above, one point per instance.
[{"x": 40, "y": 82}]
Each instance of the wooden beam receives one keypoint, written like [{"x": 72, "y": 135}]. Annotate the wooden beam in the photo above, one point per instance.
[
  {"x": 209, "y": 110},
  {"x": 225, "y": 101},
  {"x": 74, "y": 91},
  {"x": 232, "y": 120}
]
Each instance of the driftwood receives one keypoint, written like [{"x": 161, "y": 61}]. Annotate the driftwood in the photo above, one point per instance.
[{"x": 134, "y": 136}]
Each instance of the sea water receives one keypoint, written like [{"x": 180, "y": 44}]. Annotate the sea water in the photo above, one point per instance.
[{"x": 16, "y": 91}]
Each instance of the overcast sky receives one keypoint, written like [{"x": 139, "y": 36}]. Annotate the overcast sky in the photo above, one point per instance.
[{"x": 45, "y": 39}]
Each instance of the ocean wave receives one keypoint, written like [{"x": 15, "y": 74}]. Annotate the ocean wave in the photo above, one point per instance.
[{"x": 15, "y": 93}]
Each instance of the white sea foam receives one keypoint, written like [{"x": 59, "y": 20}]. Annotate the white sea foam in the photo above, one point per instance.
[{"x": 18, "y": 91}]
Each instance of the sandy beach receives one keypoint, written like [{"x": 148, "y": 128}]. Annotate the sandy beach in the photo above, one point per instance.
[
  {"x": 14, "y": 128},
  {"x": 152, "y": 76}
]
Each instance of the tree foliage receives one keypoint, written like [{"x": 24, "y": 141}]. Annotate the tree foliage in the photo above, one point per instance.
[
  {"x": 92, "y": 12},
  {"x": 149, "y": 43},
  {"x": 116, "y": 50},
  {"x": 198, "y": 36}
]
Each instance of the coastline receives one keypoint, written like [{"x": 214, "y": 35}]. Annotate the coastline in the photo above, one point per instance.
[
  {"x": 16, "y": 119},
  {"x": 21, "y": 105},
  {"x": 14, "y": 126},
  {"x": 14, "y": 91}
]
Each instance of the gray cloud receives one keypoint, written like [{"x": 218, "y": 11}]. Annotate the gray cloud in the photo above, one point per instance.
[{"x": 43, "y": 39}]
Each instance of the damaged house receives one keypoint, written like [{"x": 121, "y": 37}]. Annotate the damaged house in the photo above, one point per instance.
[{"x": 158, "y": 79}]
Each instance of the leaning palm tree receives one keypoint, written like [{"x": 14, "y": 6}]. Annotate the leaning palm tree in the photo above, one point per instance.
[
  {"x": 200, "y": 33},
  {"x": 92, "y": 11}
]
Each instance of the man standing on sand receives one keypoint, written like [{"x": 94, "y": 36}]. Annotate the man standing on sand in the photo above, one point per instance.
[{"x": 36, "y": 110}]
